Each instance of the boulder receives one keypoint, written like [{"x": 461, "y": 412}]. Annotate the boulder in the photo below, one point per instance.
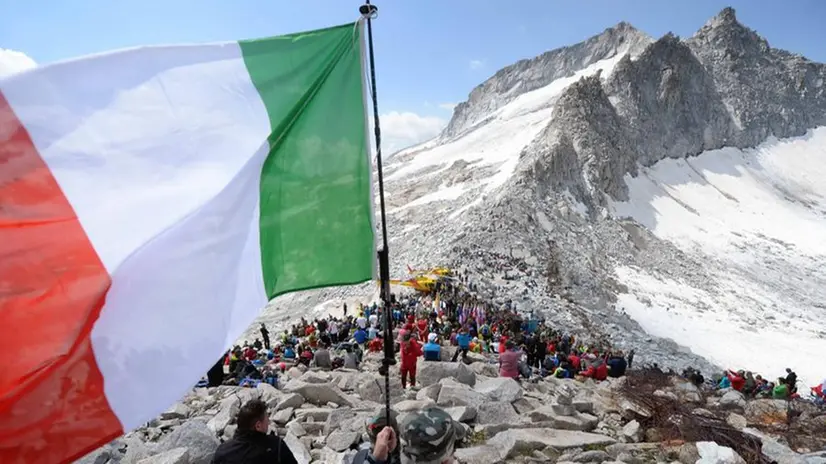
[
  {"x": 196, "y": 437},
  {"x": 177, "y": 411},
  {"x": 712, "y": 453},
  {"x": 631, "y": 410},
  {"x": 572, "y": 423},
  {"x": 737, "y": 421},
  {"x": 496, "y": 412},
  {"x": 689, "y": 392},
  {"x": 136, "y": 450},
  {"x": 98, "y": 456},
  {"x": 218, "y": 423},
  {"x": 511, "y": 442},
  {"x": 583, "y": 405},
  {"x": 342, "y": 440},
  {"x": 462, "y": 413},
  {"x": 316, "y": 377},
  {"x": 296, "y": 428},
  {"x": 688, "y": 453},
  {"x": 500, "y": 389},
  {"x": 766, "y": 411},
  {"x": 348, "y": 419},
  {"x": 229, "y": 432},
  {"x": 346, "y": 379},
  {"x": 312, "y": 414},
  {"x": 525, "y": 405},
  {"x": 296, "y": 371},
  {"x": 228, "y": 409},
  {"x": 591, "y": 456},
  {"x": 430, "y": 391},
  {"x": 485, "y": 369},
  {"x": 413, "y": 405},
  {"x": 318, "y": 393},
  {"x": 457, "y": 394},
  {"x": 733, "y": 399},
  {"x": 292, "y": 400},
  {"x": 633, "y": 431},
  {"x": 429, "y": 373},
  {"x": 371, "y": 387},
  {"x": 269, "y": 394},
  {"x": 299, "y": 449},
  {"x": 484, "y": 454},
  {"x": 173, "y": 456},
  {"x": 283, "y": 416},
  {"x": 666, "y": 394}
]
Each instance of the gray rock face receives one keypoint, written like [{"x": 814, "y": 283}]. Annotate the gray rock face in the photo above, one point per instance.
[
  {"x": 733, "y": 400},
  {"x": 513, "y": 441},
  {"x": 317, "y": 393},
  {"x": 194, "y": 436},
  {"x": 527, "y": 75},
  {"x": 500, "y": 389},
  {"x": 431, "y": 372},
  {"x": 173, "y": 456}
]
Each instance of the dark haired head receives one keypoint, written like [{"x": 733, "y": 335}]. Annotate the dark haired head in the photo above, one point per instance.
[{"x": 253, "y": 416}]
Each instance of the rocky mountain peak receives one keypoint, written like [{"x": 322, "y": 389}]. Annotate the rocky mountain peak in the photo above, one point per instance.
[
  {"x": 530, "y": 74},
  {"x": 725, "y": 32}
]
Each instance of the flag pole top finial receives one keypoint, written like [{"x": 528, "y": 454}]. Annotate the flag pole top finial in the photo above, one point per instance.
[{"x": 369, "y": 11}]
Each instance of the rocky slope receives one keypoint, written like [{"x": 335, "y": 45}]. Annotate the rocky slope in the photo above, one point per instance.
[
  {"x": 528, "y": 190},
  {"x": 647, "y": 417}
]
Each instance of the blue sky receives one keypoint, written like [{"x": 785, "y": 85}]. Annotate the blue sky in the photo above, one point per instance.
[{"x": 430, "y": 53}]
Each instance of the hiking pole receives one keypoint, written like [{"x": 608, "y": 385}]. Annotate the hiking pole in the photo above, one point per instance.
[{"x": 368, "y": 12}]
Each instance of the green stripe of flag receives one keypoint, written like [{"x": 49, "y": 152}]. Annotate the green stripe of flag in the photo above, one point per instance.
[{"x": 316, "y": 206}]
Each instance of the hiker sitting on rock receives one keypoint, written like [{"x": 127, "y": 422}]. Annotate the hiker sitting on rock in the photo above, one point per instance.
[
  {"x": 432, "y": 350},
  {"x": 251, "y": 444}
]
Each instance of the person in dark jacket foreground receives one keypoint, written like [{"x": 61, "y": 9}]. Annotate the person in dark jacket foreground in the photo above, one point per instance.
[{"x": 251, "y": 444}]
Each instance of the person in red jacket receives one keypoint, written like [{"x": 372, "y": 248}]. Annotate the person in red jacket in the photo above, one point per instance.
[
  {"x": 376, "y": 344},
  {"x": 738, "y": 381},
  {"x": 574, "y": 360},
  {"x": 601, "y": 372},
  {"x": 411, "y": 350}
]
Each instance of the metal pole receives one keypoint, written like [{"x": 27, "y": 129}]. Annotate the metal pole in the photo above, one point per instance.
[{"x": 368, "y": 12}]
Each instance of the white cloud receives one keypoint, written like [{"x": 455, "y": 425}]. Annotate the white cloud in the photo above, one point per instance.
[
  {"x": 476, "y": 64},
  {"x": 12, "y": 62},
  {"x": 403, "y": 129},
  {"x": 447, "y": 106}
]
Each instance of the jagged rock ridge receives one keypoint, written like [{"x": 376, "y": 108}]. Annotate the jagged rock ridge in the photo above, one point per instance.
[
  {"x": 531, "y": 74},
  {"x": 723, "y": 87}
]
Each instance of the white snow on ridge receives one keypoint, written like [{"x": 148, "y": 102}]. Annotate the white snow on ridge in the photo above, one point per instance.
[
  {"x": 501, "y": 140},
  {"x": 758, "y": 218}
]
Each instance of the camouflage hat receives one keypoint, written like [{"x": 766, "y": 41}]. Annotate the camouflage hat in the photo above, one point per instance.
[
  {"x": 377, "y": 423},
  {"x": 427, "y": 436}
]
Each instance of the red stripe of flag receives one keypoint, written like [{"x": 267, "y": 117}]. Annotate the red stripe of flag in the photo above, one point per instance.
[{"x": 52, "y": 288}]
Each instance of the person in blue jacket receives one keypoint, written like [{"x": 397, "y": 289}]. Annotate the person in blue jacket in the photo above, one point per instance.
[
  {"x": 432, "y": 351},
  {"x": 463, "y": 340},
  {"x": 360, "y": 336}
]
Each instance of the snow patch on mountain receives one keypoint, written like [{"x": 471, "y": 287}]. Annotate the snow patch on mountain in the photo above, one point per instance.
[
  {"x": 497, "y": 141},
  {"x": 758, "y": 217}
]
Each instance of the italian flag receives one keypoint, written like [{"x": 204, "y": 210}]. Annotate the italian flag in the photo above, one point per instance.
[{"x": 152, "y": 201}]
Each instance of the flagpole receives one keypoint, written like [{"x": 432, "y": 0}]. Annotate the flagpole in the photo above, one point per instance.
[{"x": 368, "y": 12}]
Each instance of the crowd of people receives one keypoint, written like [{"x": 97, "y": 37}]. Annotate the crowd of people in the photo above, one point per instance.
[
  {"x": 526, "y": 348},
  {"x": 755, "y": 386}
]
